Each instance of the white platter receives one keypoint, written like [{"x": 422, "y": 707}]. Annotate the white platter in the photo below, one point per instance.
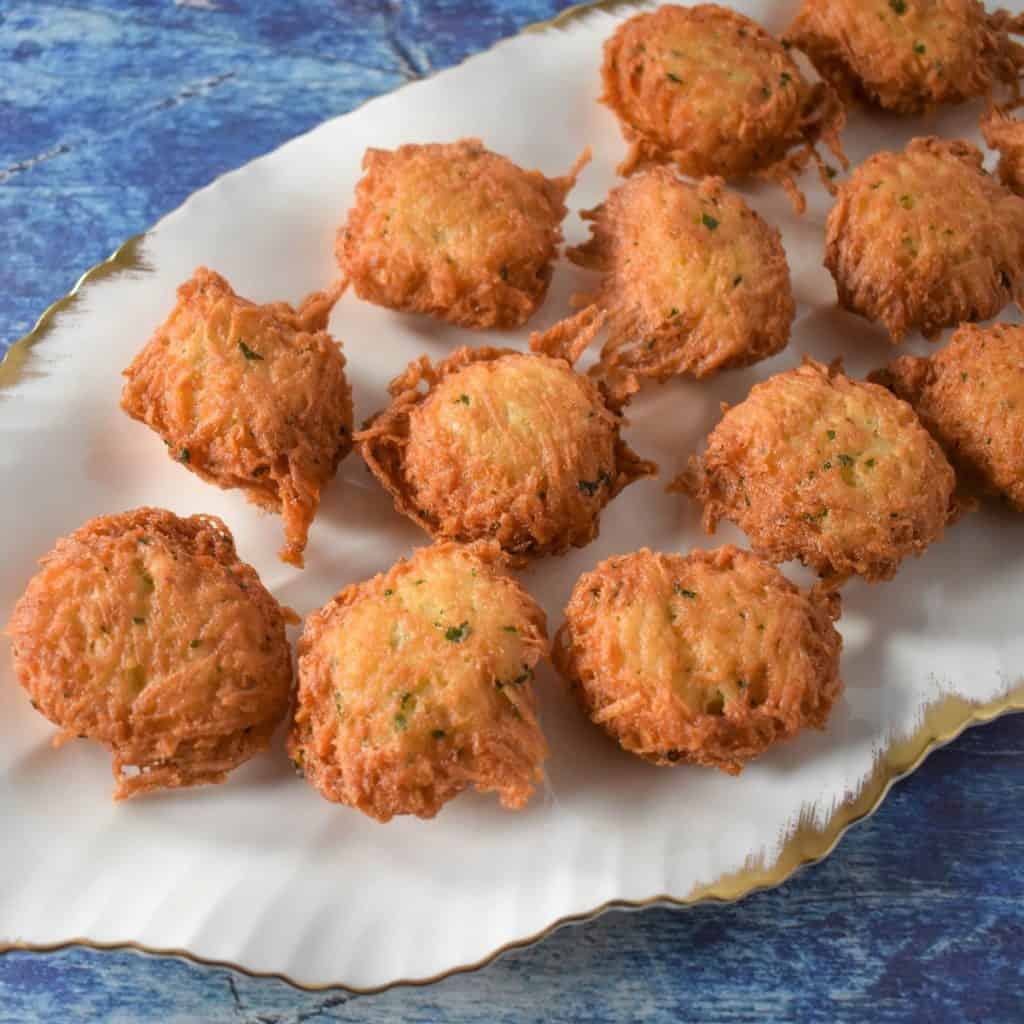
[{"x": 263, "y": 874}]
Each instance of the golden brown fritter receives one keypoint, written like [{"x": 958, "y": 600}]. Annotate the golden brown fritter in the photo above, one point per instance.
[
  {"x": 694, "y": 280},
  {"x": 417, "y": 684},
  {"x": 711, "y": 91},
  {"x": 454, "y": 231},
  {"x": 925, "y": 239},
  {"x": 248, "y": 396},
  {"x": 909, "y": 55},
  {"x": 1005, "y": 134},
  {"x": 145, "y": 632},
  {"x": 708, "y": 658},
  {"x": 837, "y": 473},
  {"x": 504, "y": 445},
  {"x": 970, "y": 396}
]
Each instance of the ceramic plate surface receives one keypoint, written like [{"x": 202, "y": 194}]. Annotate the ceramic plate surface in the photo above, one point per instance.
[{"x": 261, "y": 872}]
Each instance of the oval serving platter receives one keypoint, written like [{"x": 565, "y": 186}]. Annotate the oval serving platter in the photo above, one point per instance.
[{"x": 261, "y": 874}]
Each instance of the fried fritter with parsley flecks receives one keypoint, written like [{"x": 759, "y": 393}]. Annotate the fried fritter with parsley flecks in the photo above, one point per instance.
[
  {"x": 249, "y": 397},
  {"x": 418, "y": 684},
  {"x": 143, "y": 631},
  {"x": 707, "y": 658},
  {"x": 835, "y": 472}
]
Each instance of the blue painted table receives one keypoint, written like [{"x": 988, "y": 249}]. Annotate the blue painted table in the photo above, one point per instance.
[{"x": 111, "y": 113}]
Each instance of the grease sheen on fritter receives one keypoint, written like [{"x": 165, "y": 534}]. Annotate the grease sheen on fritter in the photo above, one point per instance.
[
  {"x": 711, "y": 91},
  {"x": 502, "y": 445},
  {"x": 694, "y": 280},
  {"x": 145, "y": 632},
  {"x": 970, "y": 396},
  {"x": 837, "y": 473},
  {"x": 706, "y": 658},
  {"x": 249, "y": 397},
  {"x": 925, "y": 239},
  {"x": 909, "y": 55},
  {"x": 417, "y": 684},
  {"x": 454, "y": 231}
]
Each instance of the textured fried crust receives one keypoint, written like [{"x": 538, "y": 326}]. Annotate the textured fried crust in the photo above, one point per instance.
[
  {"x": 694, "y": 280},
  {"x": 417, "y": 684},
  {"x": 248, "y": 396},
  {"x": 709, "y": 90},
  {"x": 908, "y": 55},
  {"x": 708, "y": 658},
  {"x": 925, "y": 239},
  {"x": 145, "y": 632},
  {"x": 519, "y": 448},
  {"x": 454, "y": 231},
  {"x": 1005, "y": 134},
  {"x": 835, "y": 472},
  {"x": 970, "y": 396}
]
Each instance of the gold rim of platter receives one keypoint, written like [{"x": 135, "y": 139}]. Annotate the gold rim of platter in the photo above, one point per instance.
[{"x": 808, "y": 844}]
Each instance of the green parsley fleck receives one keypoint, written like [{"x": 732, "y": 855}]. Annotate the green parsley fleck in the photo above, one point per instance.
[
  {"x": 503, "y": 273},
  {"x": 419, "y": 583},
  {"x": 785, "y": 78},
  {"x": 678, "y": 588},
  {"x": 899, "y": 6},
  {"x": 870, "y": 463},
  {"x": 388, "y": 592},
  {"x": 248, "y": 352},
  {"x": 463, "y": 399},
  {"x": 194, "y": 644},
  {"x": 907, "y": 202},
  {"x": 709, "y": 222},
  {"x": 847, "y": 460},
  {"x": 510, "y": 629},
  {"x": 827, "y": 464},
  {"x": 963, "y": 376},
  {"x": 766, "y": 91},
  {"x": 138, "y": 620},
  {"x": 831, "y": 434},
  {"x": 456, "y": 634},
  {"x": 737, "y": 280},
  {"x": 830, "y": 170},
  {"x": 919, "y": 48},
  {"x": 184, "y": 455},
  {"x": 590, "y": 487},
  {"x": 401, "y": 722},
  {"x": 811, "y": 517},
  {"x": 673, "y": 78},
  {"x": 437, "y": 734},
  {"x": 673, "y": 312}
]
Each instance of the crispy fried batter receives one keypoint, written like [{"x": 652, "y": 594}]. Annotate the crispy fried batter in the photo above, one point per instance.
[
  {"x": 970, "y": 396},
  {"x": 713, "y": 92},
  {"x": 248, "y": 396},
  {"x": 454, "y": 231},
  {"x": 503, "y": 445},
  {"x": 708, "y": 658},
  {"x": 417, "y": 684},
  {"x": 694, "y": 280},
  {"x": 835, "y": 472},
  {"x": 1005, "y": 134},
  {"x": 925, "y": 239},
  {"x": 909, "y": 55},
  {"x": 145, "y": 632}
]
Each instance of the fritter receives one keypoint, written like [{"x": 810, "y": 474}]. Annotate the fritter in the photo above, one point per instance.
[
  {"x": 145, "y": 632},
  {"x": 1005, "y": 134},
  {"x": 837, "y": 473},
  {"x": 708, "y": 658},
  {"x": 970, "y": 396},
  {"x": 454, "y": 231},
  {"x": 909, "y": 55},
  {"x": 925, "y": 239},
  {"x": 502, "y": 445},
  {"x": 417, "y": 684},
  {"x": 248, "y": 396},
  {"x": 694, "y": 280},
  {"x": 711, "y": 91}
]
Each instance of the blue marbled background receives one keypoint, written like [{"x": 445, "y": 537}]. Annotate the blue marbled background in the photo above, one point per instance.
[{"x": 111, "y": 113}]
